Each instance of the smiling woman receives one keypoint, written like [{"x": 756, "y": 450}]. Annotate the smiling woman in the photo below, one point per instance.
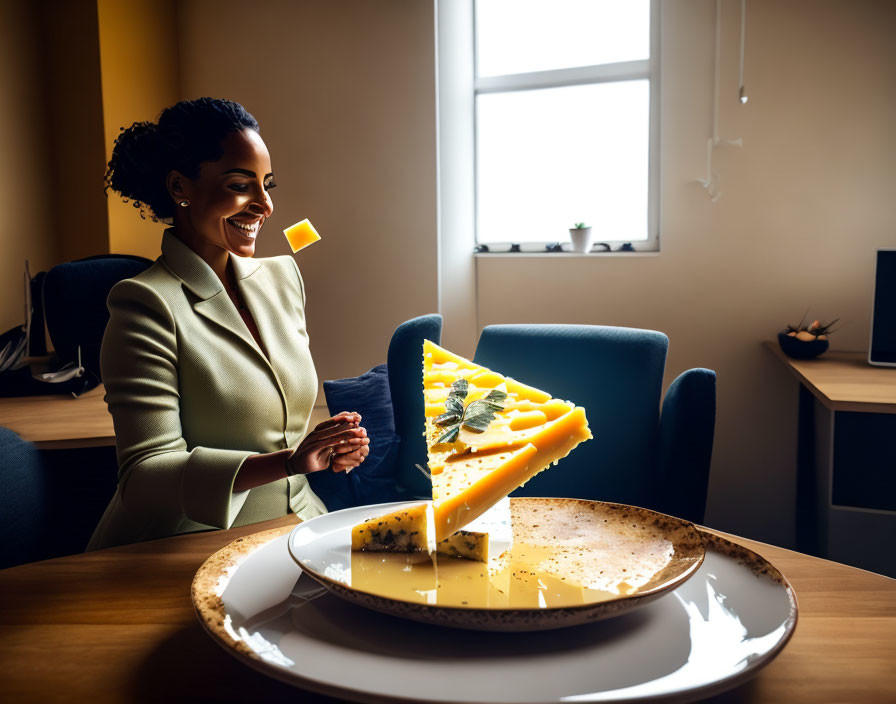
[{"x": 208, "y": 373}]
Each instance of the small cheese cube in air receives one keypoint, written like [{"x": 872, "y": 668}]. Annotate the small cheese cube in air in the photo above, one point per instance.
[{"x": 301, "y": 235}]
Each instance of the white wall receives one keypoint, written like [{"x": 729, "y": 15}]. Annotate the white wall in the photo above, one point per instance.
[
  {"x": 345, "y": 95},
  {"x": 805, "y": 203}
]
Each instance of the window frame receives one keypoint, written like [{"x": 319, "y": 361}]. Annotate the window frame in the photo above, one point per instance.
[{"x": 644, "y": 69}]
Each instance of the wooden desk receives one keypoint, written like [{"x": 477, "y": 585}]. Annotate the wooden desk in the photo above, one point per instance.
[
  {"x": 118, "y": 626},
  {"x": 60, "y": 422},
  {"x": 844, "y": 381},
  {"x": 846, "y": 489}
]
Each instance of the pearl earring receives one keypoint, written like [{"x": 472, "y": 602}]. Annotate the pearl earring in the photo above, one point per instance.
[{"x": 184, "y": 203}]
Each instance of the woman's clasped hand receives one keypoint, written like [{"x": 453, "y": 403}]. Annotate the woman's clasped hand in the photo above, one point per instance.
[{"x": 339, "y": 443}]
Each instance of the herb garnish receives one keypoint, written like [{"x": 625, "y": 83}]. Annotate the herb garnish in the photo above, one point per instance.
[{"x": 476, "y": 416}]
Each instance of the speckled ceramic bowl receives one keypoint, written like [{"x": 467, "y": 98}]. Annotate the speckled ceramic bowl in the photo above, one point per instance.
[{"x": 596, "y": 542}]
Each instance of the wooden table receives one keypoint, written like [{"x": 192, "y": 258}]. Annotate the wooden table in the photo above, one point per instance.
[
  {"x": 118, "y": 626},
  {"x": 843, "y": 381},
  {"x": 60, "y": 422},
  {"x": 846, "y": 487}
]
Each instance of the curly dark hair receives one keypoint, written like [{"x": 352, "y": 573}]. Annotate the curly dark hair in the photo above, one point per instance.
[{"x": 185, "y": 135}]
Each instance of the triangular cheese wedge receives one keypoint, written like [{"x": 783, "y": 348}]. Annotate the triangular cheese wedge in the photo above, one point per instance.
[{"x": 477, "y": 469}]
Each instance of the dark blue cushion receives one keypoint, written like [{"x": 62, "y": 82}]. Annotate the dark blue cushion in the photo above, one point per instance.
[
  {"x": 23, "y": 500},
  {"x": 373, "y": 481}
]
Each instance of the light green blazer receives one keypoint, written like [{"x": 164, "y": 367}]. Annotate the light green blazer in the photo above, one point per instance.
[{"x": 192, "y": 395}]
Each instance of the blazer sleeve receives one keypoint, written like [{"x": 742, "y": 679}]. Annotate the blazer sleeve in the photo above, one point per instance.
[{"x": 161, "y": 479}]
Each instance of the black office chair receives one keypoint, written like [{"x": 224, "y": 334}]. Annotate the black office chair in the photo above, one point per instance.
[
  {"x": 72, "y": 300},
  {"x": 75, "y": 296}
]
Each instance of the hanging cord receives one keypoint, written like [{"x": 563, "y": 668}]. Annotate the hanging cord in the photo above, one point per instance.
[{"x": 712, "y": 180}]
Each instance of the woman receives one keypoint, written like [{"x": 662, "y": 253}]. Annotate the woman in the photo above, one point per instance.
[{"x": 205, "y": 359}]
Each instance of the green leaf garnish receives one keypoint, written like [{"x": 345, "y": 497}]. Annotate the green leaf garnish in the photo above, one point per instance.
[
  {"x": 476, "y": 416},
  {"x": 459, "y": 388},
  {"x": 454, "y": 405},
  {"x": 454, "y": 411},
  {"x": 451, "y": 434}
]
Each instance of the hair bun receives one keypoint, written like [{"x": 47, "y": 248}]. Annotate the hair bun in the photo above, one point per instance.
[{"x": 137, "y": 167}]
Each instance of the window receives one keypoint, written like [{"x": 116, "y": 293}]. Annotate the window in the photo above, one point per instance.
[{"x": 567, "y": 112}]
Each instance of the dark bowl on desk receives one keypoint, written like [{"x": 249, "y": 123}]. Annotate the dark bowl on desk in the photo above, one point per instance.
[{"x": 801, "y": 349}]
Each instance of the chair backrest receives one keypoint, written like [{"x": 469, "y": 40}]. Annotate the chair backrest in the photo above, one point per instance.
[
  {"x": 616, "y": 374},
  {"x": 23, "y": 500},
  {"x": 405, "y": 365},
  {"x": 75, "y": 296}
]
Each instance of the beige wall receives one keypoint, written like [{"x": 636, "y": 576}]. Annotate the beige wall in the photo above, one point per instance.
[
  {"x": 50, "y": 141},
  {"x": 73, "y": 106},
  {"x": 344, "y": 92},
  {"x": 69, "y": 69},
  {"x": 805, "y": 203},
  {"x": 24, "y": 160},
  {"x": 139, "y": 65}
]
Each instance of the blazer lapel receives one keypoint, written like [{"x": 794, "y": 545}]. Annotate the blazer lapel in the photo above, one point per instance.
[
  {"x": 212, "y": 302},
  {"x": 260, "y": 295}
]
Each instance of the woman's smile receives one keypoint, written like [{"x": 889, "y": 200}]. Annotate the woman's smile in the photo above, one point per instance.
[{"x": 245, "y": 228}]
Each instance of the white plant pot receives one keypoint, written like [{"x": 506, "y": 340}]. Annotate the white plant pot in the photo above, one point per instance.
[{"x": 581, "y": 239}]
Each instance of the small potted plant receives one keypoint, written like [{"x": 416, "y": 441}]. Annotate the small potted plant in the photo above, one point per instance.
[
  {"x": 805, "y": 342},
  {"x": 581, "y": 237}
]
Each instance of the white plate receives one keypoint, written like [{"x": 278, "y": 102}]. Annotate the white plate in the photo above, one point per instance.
[
  {"x": 708, "y": 635},
  {"x": 630, "y": 556}
]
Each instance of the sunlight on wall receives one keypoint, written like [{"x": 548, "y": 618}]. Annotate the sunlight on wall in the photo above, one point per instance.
[{"x": 139, "y": 63}]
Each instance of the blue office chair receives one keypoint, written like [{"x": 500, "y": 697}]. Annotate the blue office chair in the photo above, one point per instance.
[
  {"x": 638, "y": 455},
  {"x": 389, "y": 398},
  {"x": 405, "y": 364},
  {"x": 24, "y": 501}
]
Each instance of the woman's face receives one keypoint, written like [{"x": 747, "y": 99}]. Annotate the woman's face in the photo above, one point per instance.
[{"x": 229, "y": 201}]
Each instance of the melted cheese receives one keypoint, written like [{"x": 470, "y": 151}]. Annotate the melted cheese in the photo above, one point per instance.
[{"x": 301, "y": 235}]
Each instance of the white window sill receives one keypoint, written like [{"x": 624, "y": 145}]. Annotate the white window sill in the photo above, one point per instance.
[{"x": 565, "y": 255}]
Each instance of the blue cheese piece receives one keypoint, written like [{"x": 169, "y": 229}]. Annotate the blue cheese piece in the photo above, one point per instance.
[{"x": 487, "y": 539}]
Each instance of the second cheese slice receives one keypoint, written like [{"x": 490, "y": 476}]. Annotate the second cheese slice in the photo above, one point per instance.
[
  {"x": 301, "y": 235},
  {"x": 477, "y": 468}
]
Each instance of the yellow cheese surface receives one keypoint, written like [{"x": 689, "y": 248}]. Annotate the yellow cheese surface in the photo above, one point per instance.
[
  {"x": 478, "y": 469},
  {"x": 301, "y": 235}
]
